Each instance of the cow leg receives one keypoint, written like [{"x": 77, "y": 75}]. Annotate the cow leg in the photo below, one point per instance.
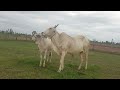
[
  {"x": 47, "y": 57},
  {"x": 61, "y": 67},
  {"x": 81, "y": 56},
  {"x": 40, "y": 60},
  {"x": 86, "y": 58},
  {"x": 50, "y": 56},
  {"x": 45, "y": 54}
]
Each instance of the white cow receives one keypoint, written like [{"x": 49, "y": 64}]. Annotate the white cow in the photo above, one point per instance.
[
  {"x": 67, "y": 44},
  {"x": 44, "y": 46}
]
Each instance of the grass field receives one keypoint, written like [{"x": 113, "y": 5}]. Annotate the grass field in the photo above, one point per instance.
[{"x": 20, "y": 60}]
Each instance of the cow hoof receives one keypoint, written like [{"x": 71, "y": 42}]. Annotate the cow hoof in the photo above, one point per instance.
[
  {"x": 59, "y": 71},
  {"x": 79, "y": 68}
]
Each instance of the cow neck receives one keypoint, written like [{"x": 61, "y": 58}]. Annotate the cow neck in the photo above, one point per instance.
[{"x": 55, "y": 39}]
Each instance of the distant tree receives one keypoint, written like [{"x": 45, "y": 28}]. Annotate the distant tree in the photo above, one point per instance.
[
  {"x": 107, "y": 42},
  {"x": 117, "y": 43},
  {"x": 11, "y": 31}
]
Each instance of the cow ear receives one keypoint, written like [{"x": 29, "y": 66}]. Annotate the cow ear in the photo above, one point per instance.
[
  {"x": 34, "y": 32},
  {"x": 42, "y": 33}
]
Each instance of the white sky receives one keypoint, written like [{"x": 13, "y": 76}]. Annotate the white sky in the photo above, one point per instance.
[{"x": 99, "y": 25}]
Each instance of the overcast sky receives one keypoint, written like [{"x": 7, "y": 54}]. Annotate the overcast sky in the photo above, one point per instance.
[{"x": 99, "y": 25}]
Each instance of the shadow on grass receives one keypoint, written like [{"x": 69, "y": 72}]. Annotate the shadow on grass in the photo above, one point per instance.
[{"x": 71, "y": 72}]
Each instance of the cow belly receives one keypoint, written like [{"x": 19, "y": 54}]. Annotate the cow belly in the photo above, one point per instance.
[{"x": 76, "y": 47}]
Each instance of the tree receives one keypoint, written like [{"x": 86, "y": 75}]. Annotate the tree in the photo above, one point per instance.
[{"x": 11, "y": 31}]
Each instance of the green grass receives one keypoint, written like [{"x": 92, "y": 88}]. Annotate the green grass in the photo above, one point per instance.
[{"x": 20, "y": 60}]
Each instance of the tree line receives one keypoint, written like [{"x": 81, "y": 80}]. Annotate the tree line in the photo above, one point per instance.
[
  {"x": 10, "y": 34},
  {"x": 106, "y": 42}
]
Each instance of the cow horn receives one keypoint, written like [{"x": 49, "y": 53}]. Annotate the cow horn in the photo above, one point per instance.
[{"x": 56, "y": 25}]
